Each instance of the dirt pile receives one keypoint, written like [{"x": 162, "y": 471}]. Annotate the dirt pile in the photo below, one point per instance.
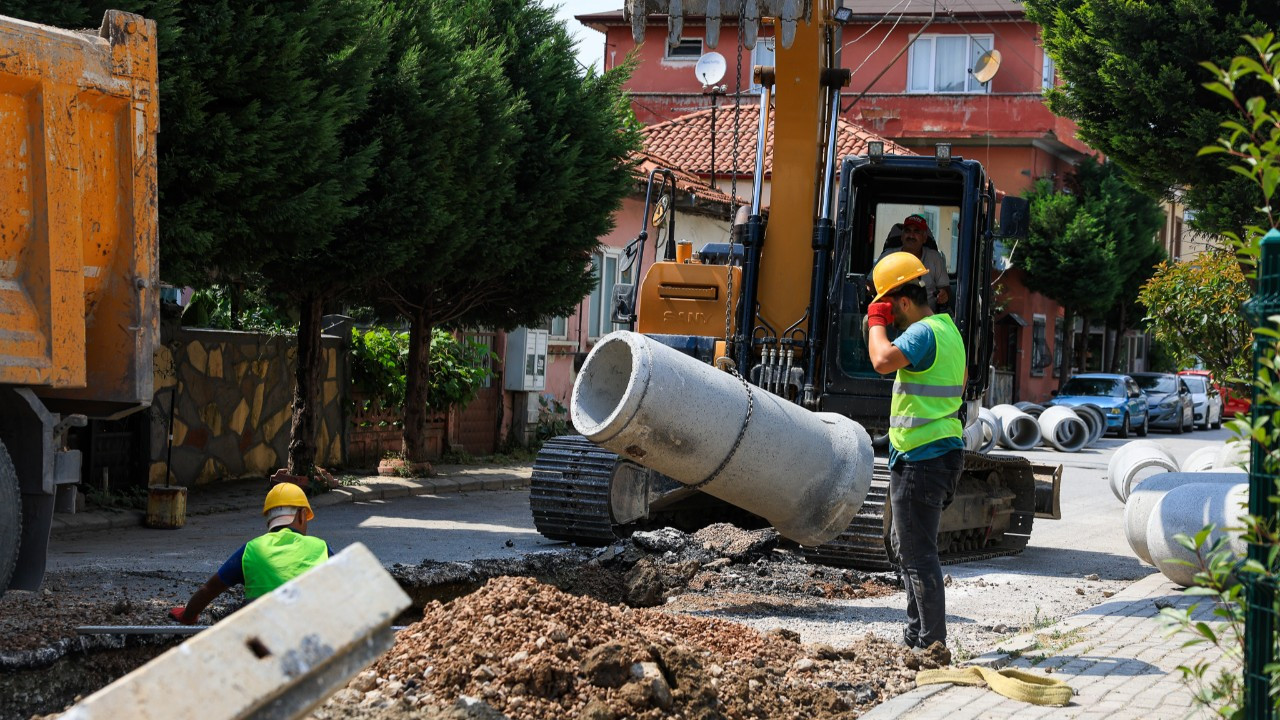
[{"x": 522, "y": 649}]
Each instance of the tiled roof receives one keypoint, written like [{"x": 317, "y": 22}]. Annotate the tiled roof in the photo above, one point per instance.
[
  {"x": 686, "y": 141},
  {"x": 685, "y": 181}
]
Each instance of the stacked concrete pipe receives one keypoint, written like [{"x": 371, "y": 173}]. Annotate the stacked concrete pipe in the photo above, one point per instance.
[
  {"x": 1095, "y": 419},
  {"x": 1234, "y": 454},
  {"x": 806, "y": 473},
  {"x": 1018, "y": 430},
  {"x": 1029, "y": 408},
  {"x": 1144, "y": 499},
  {"x": 1063, "y": 429},
  {"x": 1187, "y": 509},
  {"x": 991, "y": 433},
  {"x": 1134, "y": 461},
  {"x": 973, "y": 437}
]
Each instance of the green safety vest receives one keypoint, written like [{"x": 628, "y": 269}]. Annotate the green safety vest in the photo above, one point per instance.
[
  {"x": 926, "y": 404},
  {"x": 274, "y": 559}
]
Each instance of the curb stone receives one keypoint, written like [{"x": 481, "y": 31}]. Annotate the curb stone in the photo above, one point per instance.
[{"x": 64, "y": 525}]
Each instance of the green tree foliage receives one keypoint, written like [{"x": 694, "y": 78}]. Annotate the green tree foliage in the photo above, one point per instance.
[
  {"x": 1090, "y": 244},
  {"x": 1132, "y": 85},
  {"x": 519, "y": 249},
  {"x": 380, "y": 361},
  {"x": 1193, "y": 308}
]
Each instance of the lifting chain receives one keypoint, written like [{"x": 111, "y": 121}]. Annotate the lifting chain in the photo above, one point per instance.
[{"x": 733, "y": 206}]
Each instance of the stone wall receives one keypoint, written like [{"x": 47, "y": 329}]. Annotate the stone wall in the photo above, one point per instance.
[{"x": 234, "y": 394}]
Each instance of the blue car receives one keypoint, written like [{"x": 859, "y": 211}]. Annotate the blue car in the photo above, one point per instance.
[{"x": 1118, "y": 396}]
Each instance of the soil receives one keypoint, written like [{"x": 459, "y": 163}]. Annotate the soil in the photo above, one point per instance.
[{"x": 520, "y": 649}]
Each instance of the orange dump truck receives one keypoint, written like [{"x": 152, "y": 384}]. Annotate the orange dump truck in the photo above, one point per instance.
[{"x": 79, "y": 289}]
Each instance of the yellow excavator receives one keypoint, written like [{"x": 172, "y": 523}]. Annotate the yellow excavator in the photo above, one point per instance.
[{"x": 781, "y": 312}]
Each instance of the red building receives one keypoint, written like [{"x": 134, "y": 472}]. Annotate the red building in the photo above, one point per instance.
[{"x": 912, "y": 82}]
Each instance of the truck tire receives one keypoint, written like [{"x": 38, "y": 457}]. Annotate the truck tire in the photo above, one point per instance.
[{"x": 10, "y": 519}]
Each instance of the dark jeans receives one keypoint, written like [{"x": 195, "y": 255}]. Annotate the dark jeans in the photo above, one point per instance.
[{"x": 918, "y": 493}]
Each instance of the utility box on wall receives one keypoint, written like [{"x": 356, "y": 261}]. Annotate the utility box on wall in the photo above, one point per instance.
[{"x": 526, "y": 361}]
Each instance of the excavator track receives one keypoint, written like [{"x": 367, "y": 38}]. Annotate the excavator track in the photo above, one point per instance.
[
  {"x": 864, "y": 545},
  {"x": 569, "y": 497},
  {"x": 569, "y": 491}
]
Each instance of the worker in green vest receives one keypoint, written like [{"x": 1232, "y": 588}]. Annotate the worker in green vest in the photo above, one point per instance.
[
  {"x": 926, "y": 452},
  {"x": 268, "y": 561}
]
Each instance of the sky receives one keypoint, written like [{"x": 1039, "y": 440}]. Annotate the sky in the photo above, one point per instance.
[{"x": 590, "y": 43}]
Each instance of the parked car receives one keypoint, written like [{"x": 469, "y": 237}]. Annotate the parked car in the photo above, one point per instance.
[
  {"x": 1206, "y": 401},
  {"x": 1118, "y": 396},
  {"x": 1169, "y": 399},
  {"x": 1232, "y": 403}
]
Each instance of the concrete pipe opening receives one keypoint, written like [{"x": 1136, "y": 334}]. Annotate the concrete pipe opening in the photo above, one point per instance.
[
  {"x": 1135, "y": 461},
  {"x": 1019, "y": 430},
  {"x": 608, "y": 378},
  {"x": 1063, "y": 429}
]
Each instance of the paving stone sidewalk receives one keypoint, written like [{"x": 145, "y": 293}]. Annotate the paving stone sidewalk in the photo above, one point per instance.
[
  {"x": 1115, "y": 656},
  {"x": 242, "y": 495}
]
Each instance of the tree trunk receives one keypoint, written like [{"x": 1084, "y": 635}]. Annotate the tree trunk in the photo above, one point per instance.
[
  {"x": 306, "y": 388},
  {"x": 1120, "y": 330},
  {"x": 1084, "y": 344},
  {"x": 1068, "y": 339},
  {"x": 417, "y": 382},
  {"x": 237, "y": 305}
]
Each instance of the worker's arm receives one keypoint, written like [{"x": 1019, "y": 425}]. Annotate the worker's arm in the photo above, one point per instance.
[
  {"x": 885, "y": 356},
  {"x": 212, "y": 588}
]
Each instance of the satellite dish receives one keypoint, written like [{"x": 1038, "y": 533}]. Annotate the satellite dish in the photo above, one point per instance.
[
  {"x": 986, "y": 67},
  {"x": 710, "y": 68}
]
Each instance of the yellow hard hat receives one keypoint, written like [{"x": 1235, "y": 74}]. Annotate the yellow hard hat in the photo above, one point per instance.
[
  {"x": 895, "y": 270},
  {"x": 286, "y": 494}
]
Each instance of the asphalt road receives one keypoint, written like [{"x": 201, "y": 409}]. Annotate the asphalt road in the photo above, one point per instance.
[{"x": 986, "y": 600}]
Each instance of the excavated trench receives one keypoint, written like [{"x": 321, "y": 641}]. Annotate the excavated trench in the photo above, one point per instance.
[{"x": 646, "y": 571}]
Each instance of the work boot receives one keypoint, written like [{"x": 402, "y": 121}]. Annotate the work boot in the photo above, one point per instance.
[{"x": 937, "y": 653}]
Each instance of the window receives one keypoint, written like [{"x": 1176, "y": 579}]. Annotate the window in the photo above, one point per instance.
[
  {"x": 763, "y": 55},
  {"x": 557, "y": 327},
  {"x": 1039, "y": 347},
  {"x": 600, "y": 302},
  {"x": 1047, "y": 73},
  {"x": 943, "y": 63},
  {"x": 687, "y": 49}
]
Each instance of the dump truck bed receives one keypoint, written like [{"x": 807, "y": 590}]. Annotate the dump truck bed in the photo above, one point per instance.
[{"x": 78, "y": 277}]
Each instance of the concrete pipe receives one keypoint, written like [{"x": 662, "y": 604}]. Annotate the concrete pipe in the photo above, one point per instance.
[
  {"x": 1095, "y": 418},
  {"x": 1202, "y": 459},
  {"x": 1134, "y": 461},
  {"x": 973, "y": 437},
  {"x": 1063, "y": 429},
  {"x": 1018, "y": 430},
  {"x": 1187, "y": 509},
  {"x": 1029, "y": 408},
  {"x": 1234, "y": 454},
  {"x": 990, "y": 430},
  {"x": 986, "y": 414},
  {"x": 806, "y": 473},
  {"x": 1143, "y": 499}
]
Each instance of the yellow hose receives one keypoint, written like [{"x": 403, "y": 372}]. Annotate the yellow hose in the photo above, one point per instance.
[{"x": 1014, "y": 684}]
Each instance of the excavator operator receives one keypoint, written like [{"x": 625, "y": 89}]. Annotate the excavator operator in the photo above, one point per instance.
[{"x": 925, "y": 431}]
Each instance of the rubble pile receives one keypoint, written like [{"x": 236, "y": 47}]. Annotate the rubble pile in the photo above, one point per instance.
[{"x": 524, "y": 650}]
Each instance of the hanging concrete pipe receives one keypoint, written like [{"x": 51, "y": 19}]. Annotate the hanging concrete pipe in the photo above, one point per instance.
[
  {"x": 806, "y": 473},
  {"x": 1143, "y": 499},
  {"x": 1063, "y": 429},
  {"x": 1134, "y": 461},
  {"x": 1018, "y": 430},
  {"x": 991, "y": 432},
  {"x": 1185, "y": 510}
]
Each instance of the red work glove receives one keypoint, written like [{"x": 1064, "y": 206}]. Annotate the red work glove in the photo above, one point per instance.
[
  {"x": 880, "y": 314},
  {"x": 177, "y": 613}
]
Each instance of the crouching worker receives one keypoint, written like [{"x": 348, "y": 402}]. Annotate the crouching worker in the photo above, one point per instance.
[{"x": 268, "y": 561}]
